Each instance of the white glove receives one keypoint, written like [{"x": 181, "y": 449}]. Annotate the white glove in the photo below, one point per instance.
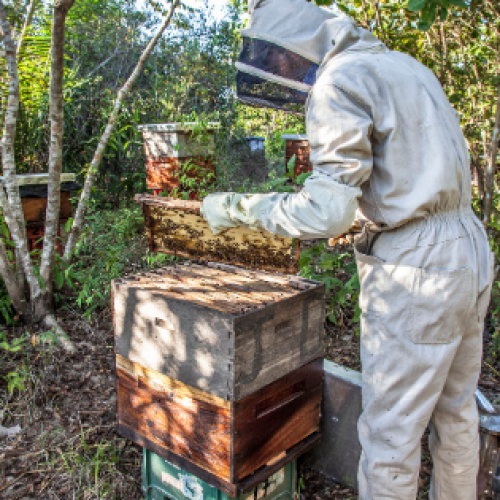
[{"x": 225, "y": 210}]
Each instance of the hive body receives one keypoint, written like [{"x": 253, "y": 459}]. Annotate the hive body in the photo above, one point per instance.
[
  {"x": 222, "y": 329},
  {"x": 174, "y": 149},
  {"x": 298, "y": 146}
]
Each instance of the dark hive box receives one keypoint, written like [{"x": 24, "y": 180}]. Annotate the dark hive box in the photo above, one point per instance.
[
  {"x": 298, "y": 145},
  {"x": 222, "y": 442}
]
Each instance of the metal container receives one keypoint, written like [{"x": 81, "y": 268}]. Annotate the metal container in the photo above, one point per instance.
[{"x": 162, "y": 480}]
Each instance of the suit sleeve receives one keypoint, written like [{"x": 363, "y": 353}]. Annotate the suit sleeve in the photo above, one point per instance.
[{"x": 339, "y": 129}]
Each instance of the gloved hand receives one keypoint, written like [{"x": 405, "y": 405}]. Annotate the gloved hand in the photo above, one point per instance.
[{"x": 225, "y": 210}]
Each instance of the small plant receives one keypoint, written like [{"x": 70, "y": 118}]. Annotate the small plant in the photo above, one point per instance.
[
  {"x": 16, "y": 379},
  {"x": 339, "y": 273}
]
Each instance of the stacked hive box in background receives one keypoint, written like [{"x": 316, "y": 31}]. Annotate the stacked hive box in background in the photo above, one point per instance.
[
  {"x": 33, "y": 190},
  {"x": 175, "y": 149},
  {"x": 219, "y": 369},
  {"x": 298, "y": 145}
]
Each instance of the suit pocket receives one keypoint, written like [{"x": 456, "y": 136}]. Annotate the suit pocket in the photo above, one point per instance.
[{"x": 441, "y": 303}]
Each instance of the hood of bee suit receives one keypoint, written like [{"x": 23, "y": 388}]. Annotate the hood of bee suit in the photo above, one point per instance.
[{"x": 284, "y": 45}]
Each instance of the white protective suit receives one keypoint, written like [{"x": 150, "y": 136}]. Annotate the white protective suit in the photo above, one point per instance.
[{"x": 383, "y": 135}]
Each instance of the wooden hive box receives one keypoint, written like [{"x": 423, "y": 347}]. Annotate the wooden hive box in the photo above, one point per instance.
[
  {"x": 33, "y": 192},
  {"x": 298, "y": 145},
  {"x": 174, "y": 148},
  {"x": 225, "y": 443},
  {"x": 225, "y": 330}
]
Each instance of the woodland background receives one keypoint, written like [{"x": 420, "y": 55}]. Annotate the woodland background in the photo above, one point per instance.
[{"x": 63, "y": 399}]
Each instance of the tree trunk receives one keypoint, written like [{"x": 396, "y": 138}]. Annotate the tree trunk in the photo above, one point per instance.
[
  {"x": 491, "y": 165},
  {"x": 11, "y": 208},
  {"x": 96, "y": 160},
  {"x": 60, "y": 12}
]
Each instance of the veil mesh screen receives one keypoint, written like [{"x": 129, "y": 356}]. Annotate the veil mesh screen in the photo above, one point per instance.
[{"x": 276, "y": 60}]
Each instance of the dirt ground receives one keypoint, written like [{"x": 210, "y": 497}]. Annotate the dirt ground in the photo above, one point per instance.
[{"x": 68, "y": 447}]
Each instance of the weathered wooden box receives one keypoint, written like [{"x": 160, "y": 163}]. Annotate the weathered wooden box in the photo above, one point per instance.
[
  {"x": 33, "y": 192},
  {"x": 222, "y": 442},
  {"x": 298, "y": 145},
  {"x": 225, "y": 330},
  {"x": 173, "y": 149}
]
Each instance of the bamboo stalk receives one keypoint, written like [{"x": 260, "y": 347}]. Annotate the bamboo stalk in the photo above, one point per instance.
[{"x": 96, "y": 160}]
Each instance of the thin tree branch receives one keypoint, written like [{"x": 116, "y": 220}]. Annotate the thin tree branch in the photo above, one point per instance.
[
  {"x": 27, "y": 23},
  {"x": 114, "y": 54},
  {"x": 96, "y": 160}
]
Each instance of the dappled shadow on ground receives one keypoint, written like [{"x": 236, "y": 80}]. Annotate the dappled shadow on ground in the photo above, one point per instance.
[{"x": 68, "y": 446}]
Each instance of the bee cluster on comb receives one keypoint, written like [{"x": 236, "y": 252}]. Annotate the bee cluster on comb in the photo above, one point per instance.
[{"x": 176, "y": 227}]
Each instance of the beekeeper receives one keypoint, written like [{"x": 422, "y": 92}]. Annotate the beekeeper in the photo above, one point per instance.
[{"x": 383, "y": 138}]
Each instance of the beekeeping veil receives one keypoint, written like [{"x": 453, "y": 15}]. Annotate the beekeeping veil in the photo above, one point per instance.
[{"x": 283, "y": 46}]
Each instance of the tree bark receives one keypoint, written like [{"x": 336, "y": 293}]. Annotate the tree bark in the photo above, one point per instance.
[
  {"x": 15, "y": 292},
  {"x": 12, "y": 210},
  {"x": 491, "y": 166},
  {"x": 96, "y": 160},
  {"x": 60, "y": 11}
]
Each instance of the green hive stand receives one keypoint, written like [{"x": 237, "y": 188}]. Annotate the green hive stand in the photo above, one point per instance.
[{"x": 162, "y": 480}]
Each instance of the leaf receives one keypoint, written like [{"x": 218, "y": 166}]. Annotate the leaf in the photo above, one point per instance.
[
  {"x": 443, "y": 14},
  {"x": 59, "y": 278},
  {"x": 291, "y": 165},
  {"x": 458, "y": 3},
  {"x": 416, "y": 5},
  {"x": 423, "y": 25}
]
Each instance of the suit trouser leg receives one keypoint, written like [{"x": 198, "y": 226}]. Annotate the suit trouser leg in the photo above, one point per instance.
[
  {"x": 421, "y": 356},
  {"x": 454, "y": 439}
]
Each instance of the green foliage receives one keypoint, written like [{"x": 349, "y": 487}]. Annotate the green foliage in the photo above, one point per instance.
[
  {"x": 112, "y": 244},
  {"x": 339, "y": 274},
  {"x": 16, "y": 379}
]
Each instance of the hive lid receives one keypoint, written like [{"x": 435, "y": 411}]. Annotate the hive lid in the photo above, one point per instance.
[
  {"x": 177, "y": 127},
  {"x": 294, "y": 137},
  {"x": 176, "y": 227},
  {"x": 39, "y": 179}
]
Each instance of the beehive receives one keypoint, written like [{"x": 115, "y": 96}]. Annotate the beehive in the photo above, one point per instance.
[
  {"x": 33, "y": 192},
  {"x": 162, "y": 480},
  {"x": 175, "y": 148},
  {"x": 220, "y": 441},
  {"x": 298, "y": 145}
]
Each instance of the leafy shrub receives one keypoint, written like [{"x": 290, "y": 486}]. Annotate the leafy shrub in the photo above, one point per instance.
[{"x": 338, "y": 272}]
